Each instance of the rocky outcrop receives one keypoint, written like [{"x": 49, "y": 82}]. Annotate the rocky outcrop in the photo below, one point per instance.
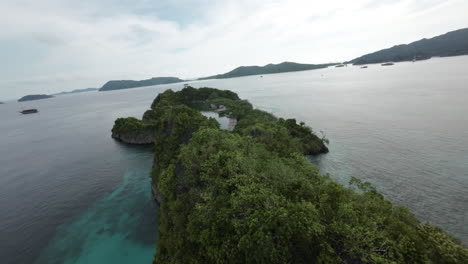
[
  {"x": 138, "y": 138},
  {"x": 133, "y": 131},
  {"x": 315, "y": 147},
  {"x": 156, "y": 195}
]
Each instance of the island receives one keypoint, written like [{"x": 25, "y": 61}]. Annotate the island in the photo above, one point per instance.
[
  {"x": 250, "y": 195},
  {"x": 33, "y": 97},
  {"x": 453, "y": 43},
  {"x": 78, "y": 91},
  {"x": 268, "y": 69},
  {"x": 126, "y": 84}
]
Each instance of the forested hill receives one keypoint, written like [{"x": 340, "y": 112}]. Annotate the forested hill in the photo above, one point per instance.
[
  {"x": 251, "y": 196},
  {"x": 125, "y": 84},
  {"x": 267, "y": 69},
  {"x": 453, "y": 43},
  {"x": 33, "y": 97}
]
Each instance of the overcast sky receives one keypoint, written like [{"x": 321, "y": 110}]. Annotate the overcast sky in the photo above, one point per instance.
[{"x": 49, "y": 46}]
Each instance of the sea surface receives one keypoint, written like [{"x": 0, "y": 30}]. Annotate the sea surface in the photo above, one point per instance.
[{"x": 69, "y": 193}]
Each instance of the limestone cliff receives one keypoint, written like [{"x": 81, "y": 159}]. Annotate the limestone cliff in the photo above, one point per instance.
[{"x": 133, "y": 131}]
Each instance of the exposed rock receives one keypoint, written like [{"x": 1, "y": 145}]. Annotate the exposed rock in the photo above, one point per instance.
[
  {"x": 133, "y": 131},
  {"x": 138, "y": 138},
  {"x": 156, "y": 195}
]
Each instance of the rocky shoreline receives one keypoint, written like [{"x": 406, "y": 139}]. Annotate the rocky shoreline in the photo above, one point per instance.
[
  {"x": 141, "y": 138},
  {"x": 133, "y": 131}
]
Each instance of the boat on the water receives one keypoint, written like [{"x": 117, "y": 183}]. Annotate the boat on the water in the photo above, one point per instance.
[
  {"x": 364, "y": 67},
  {"x": 339, "y": 65},
  {"x": 29, "y": 111},
  {"x": 388, "y": 64}
]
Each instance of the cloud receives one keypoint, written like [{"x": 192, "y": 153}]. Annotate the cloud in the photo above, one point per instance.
[
  {"x": 55, "y": 45},
  {"x": 422, "y": 5}
]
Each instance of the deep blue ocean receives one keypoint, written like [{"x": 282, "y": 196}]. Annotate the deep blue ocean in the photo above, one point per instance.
[{"x": 69, "y": 193}]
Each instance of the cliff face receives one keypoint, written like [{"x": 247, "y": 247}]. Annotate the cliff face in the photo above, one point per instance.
[
  {"x": 315, "y": 146},
  {"x": 156, "y": 194},
  {"x": 133, "y": 131},
  {"x": 145, "y": 136}
]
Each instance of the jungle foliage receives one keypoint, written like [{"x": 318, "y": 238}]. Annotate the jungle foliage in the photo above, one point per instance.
[{"x": 250, "y": 196}]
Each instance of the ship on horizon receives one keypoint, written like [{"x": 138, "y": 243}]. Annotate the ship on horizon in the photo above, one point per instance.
[{"x": 29, "y": 111}]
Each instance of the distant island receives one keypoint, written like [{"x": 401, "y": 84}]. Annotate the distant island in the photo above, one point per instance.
[
  {"x": 33, "y": 97},
  {"x": 126, "y": 84},
  {"x": 453, "y": 43},
  {"x": 78, "y": 91},
  {"x": 238, "y": 72},
  {"x": 267, "y": 69}
]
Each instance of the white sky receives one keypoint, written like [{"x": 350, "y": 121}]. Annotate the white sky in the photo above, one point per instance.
[{"x": 49, "y": 46}]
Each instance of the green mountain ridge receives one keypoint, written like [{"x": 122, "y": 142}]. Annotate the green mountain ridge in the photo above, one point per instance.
[
  {"x": 267, "y": 69},
  {"x": 33, "y": 97},
  {"x": 126, "y": 84},
  {"x": 453, "y": 43}
]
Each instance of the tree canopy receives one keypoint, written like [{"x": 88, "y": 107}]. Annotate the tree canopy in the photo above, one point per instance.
[{"x": 251, "y": 196}]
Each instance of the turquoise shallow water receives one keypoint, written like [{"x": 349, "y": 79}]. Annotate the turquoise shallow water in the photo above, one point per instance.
[
  {"x": 70, "y": 193},
  {"x": 115, "y": 229}
]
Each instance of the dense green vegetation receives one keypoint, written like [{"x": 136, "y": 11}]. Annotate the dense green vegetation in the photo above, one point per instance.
[
  {"x": 260, "y": 125},
  {"x": 267, "y": 69},
  {"x": 125, "y": 84},
  {"x": 130, "y": 124},
  {"x": 33, "y": 97},
  {"x": 250, "y": 196},
  {"x": 134, "y": 131},
  {"x": 450, "y": 44},
  {"x": 229, "y": 199}
]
